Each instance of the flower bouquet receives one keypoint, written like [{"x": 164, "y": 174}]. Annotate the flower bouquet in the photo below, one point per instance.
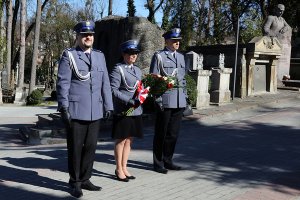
[
  {"x": 141, "y": 94},
  {"x": 159, "y": 84}
]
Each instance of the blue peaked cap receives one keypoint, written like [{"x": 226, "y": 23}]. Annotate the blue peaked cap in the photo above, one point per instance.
[
  {"x": 85, "y": 27},
  {"x": 130, "y": 46},
  {"x": 173, "y": 34}
]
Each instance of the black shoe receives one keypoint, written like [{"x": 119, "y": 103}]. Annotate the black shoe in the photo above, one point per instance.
[
  {"x": 161, "y": 170},
  {"x": 87, "y": 185},
  {"x": 121, "y": 179},
  {"x": 77, "y": 192},
  {"x": 130, "y": 177},
  {"x": 172, "y": 166}
]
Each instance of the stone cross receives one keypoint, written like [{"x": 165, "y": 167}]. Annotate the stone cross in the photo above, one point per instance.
[
  {"x": 200, "y": 61},
  {"x": 221, "y": 61}
]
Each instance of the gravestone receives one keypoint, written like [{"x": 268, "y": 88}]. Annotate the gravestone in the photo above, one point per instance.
[
  {"x": 220, "y": 79},
  {"x": 4, "y": 79},
  {"x": 20, "y": 96},
  {"x": 194, "y": 61},
  {"x": 262, "y": 57}
]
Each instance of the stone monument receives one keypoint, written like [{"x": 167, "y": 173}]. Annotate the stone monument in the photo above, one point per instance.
[
  {"x": 220, "y": 93},
  {"x": 20, "y": 96},
  {"x": 276, "y": 27},
  {"x": 111, "y": 31},
  {"x": 195, "y": 61}
]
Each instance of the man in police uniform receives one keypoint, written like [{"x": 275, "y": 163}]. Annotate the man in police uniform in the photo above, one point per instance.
[
  {"x": 168, "y": 62},
  {"x": 84, "y": 97}
]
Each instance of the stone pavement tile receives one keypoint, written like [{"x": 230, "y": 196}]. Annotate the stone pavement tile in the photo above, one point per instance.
[
  {"x": 209, "y": 154},
  {"x": 266, "y": 193}
]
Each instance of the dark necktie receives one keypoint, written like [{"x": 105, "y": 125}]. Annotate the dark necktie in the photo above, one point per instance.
[{"x": 88, "y": 55}]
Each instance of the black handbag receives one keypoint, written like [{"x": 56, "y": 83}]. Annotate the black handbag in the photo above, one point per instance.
[{"x": 188, "y": 111}]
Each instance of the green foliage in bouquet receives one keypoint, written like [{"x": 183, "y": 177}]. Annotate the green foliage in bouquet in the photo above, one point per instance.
[
  {"x": 158, "y": 84},
  {"x": 191, "y": 87},
  {"x": 35, "y": 98}
]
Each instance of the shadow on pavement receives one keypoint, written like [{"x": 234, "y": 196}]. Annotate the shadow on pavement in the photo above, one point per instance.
[
  {"x": 242, "y": 153},
  {"x": 27, "y": 177},
  {"x": 10, "y": 134},
  {"x": 19, "y": 193}
]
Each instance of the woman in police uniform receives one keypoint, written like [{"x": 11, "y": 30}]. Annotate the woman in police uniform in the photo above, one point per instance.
[{"x": 124, "y": 78}]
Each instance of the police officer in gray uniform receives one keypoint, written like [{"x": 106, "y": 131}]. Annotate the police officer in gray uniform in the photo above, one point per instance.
[
  {"x": 84, "y": 97},
  {"x": 168, "y": 62},
  {"x": 125, "y": 77}
]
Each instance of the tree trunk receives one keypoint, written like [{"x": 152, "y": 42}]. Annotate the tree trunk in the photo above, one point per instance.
[
  {"x": 35, "y": 46},
  {"x": 14, "y": 44},
  {"x": 2, "y": 35},
  {"x": 22, "y": 45},
  {"x": 1, "y": 48},
  {"x": 110, "y": 7},
  {"x": 28, "y": 31},
  {"x": 150, "y": 7},
  {"x": 8, "y": 41},
  {"x": 166, "y": 14},
  {"x": 209, "y": 17}
]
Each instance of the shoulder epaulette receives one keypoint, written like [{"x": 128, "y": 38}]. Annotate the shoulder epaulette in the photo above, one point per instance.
[
  {"x": 119, "y": 64},
  {"x": 70, "y": 49},
  {"x": 97, "y": 50},
  {"x": 159, "y": 51}
]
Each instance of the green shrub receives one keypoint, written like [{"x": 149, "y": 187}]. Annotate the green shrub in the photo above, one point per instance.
[
  {"x": 35, "y": 98},
  {"x": 191, "y": 87}
]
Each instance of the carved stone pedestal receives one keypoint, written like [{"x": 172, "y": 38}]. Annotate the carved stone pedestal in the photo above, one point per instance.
[
  {"x": 203, "y": 97},
  {"x": 220, "y": 92}
]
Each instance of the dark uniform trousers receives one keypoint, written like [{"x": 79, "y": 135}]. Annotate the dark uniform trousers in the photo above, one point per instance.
[
  {"x": 81, "y": 144},
  {"x": 167, "y": 127}
]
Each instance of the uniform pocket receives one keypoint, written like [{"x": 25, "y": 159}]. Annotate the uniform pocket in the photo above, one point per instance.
[
  {"x": 74, "y": 98},
  {"x": 73, "y": 104}
]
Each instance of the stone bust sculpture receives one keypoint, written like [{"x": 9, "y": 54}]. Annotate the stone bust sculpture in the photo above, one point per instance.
[{"x": 276, "y": 26}]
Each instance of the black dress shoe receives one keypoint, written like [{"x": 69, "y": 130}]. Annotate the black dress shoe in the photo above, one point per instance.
[
  {"x": 172, "y": 167},
  {"x": 130, "y": 177},
  {"x": 161, "y": 170},
  {"x": 77, "y": 192},
  {"x": 121, "y": 179},
  {"x": 87, "y": 185}
]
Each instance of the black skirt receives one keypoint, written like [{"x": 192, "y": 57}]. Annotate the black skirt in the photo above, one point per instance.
[{"x": 127, "y": 126}]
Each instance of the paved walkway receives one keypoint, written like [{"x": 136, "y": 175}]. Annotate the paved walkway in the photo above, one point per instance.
[{"x": 219, "y": 165}]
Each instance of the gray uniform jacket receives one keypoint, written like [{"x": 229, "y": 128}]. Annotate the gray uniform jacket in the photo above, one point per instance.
[
  {"x": 89, "y": 99},
  {"x": 165, "y": 64},
  {"x": 123, "y": 87}
]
